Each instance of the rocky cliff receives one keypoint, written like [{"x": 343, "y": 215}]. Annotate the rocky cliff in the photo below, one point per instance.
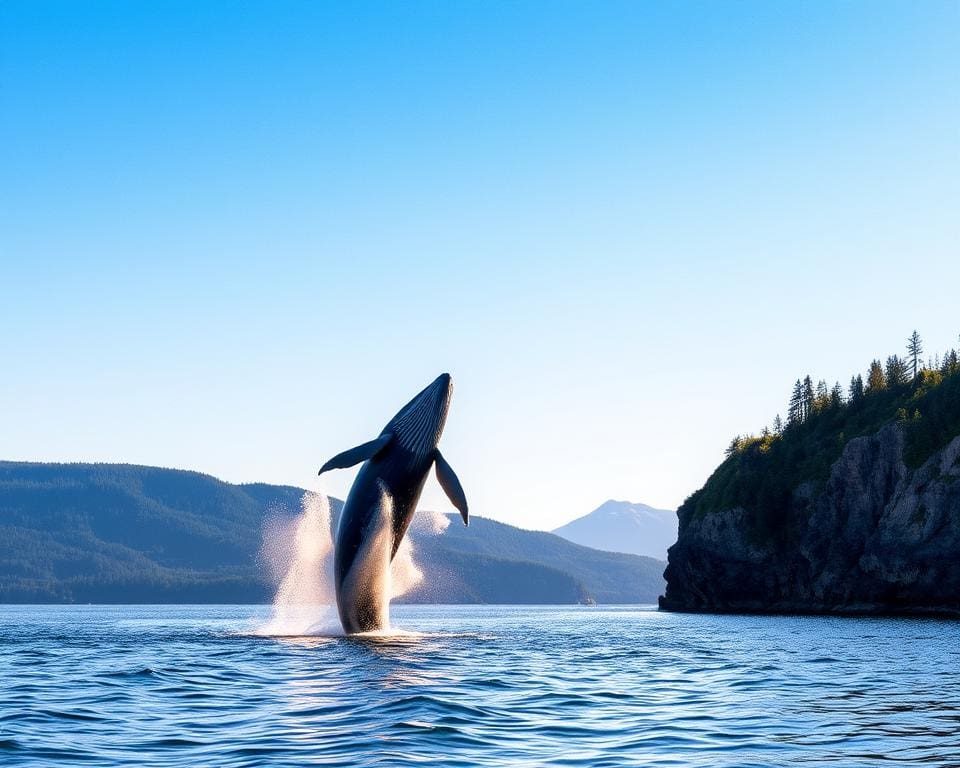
[{"x": 875, "y": 537}]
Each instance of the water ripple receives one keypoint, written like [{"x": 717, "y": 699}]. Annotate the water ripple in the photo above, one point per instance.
[{"x": 475, "y": 686}]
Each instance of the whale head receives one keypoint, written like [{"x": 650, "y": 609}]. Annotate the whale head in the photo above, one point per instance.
[{"x": 418, "y": 425}]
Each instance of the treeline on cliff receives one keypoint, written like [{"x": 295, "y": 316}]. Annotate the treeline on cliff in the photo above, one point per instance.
[{"x": 761, "y": 472}]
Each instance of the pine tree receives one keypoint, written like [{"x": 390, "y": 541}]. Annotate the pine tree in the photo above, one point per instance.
[
  {"x": 777, "y": 425},
  {"x": 875, "y": 378},
  {"x": 914, "y": 350},
  {"x": 734, "y": 446},
  {"x": 808, "y": 397},
  {"x": 795, "y": 408},
  {"x": 856, "y": 388},
  {"x": 822, "y": 398},
  {"x": 836, "y": 396},
  {"x": 950, "y": 363},
  {"x": 896, "y": 371}
]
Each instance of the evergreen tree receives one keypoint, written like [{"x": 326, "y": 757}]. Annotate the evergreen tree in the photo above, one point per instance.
[
  {"x": 856, "y": 388},
  {"x": 949, "y": 363},
  {"x": 795, "y": 408},
  {"x": 822, "y": 398},
  {"x": 896, "y": 371},
  {"x": 914, "y": 350},
  {"x": 875, "y": 378},
  {"x": 777, "y": 425},
  {"x": 808, "y": 397},
  {"x": 836, "y": 396}
]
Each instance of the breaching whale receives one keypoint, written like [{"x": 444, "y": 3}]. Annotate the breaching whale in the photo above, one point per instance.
[{"x": 381, "y": 503}]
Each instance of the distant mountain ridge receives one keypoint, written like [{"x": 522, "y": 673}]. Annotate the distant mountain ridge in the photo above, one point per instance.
[
  {"x": 623, "y": 526},
  {"x": 125, "y": 533}
]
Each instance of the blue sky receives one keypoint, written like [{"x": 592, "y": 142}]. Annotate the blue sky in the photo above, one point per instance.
[{"x": 237, "y": 237}]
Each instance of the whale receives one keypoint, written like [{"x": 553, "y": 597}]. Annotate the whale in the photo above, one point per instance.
[{"x": 381, "y": 502}]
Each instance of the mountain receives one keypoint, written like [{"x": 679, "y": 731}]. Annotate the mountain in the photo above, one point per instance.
[
  {"x": 853, "y": 508},
  {"x": 475, "y": 560},
  {"x": 124, "y": 533},
  {"x": 620, "y": 526}
]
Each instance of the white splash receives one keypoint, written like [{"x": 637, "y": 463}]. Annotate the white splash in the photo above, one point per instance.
[
  {"x": 405, "y": 574},
  {"x": 429, "y": 522},
  {"x": 298, "y": 556}
]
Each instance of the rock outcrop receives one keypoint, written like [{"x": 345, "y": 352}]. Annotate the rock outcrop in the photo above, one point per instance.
[{"x": 877, "y": 537}]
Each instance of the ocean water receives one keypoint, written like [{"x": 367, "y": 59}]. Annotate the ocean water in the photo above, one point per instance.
[{"x": 475, "y": 686}]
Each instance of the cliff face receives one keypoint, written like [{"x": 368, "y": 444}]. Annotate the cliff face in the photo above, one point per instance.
[{"x": 877, "y": 537}]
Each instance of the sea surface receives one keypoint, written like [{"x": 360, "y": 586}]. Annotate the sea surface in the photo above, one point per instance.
[{"x": 475, "y": 686}]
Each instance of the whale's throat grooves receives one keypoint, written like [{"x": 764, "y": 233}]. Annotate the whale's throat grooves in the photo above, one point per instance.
[{"x": 364, "y": 597}]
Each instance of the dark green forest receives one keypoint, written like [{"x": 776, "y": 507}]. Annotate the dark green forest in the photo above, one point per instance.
[
  {"x": 761, "y": 472},
  {"x": 120, "y": 533},
  {"x": 95, "y": 532}
]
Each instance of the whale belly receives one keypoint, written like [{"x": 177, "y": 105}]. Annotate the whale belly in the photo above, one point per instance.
[{"x": 363, "y": 594}]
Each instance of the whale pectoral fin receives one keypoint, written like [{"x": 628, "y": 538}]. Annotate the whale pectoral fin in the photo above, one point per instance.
[
  {"x": 451, "y": 485},
  {"x": 358, "y": 454}
]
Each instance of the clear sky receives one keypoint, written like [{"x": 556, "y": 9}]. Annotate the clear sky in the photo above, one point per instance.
[{"x": 236, "y": 237}]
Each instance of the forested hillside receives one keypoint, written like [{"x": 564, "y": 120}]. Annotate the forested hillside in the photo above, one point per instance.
[
  {"x": 851, "y": 506},
  {"x": 123, "y": 533},
  {"x": 762, "y": 471}
]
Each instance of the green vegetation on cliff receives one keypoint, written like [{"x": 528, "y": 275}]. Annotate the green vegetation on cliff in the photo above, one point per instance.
[{"x": 761, "y": 473}]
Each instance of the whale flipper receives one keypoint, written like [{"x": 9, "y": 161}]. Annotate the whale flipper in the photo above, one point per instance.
[
  {"x": 451, "y": 485},
  {"x": 358, "y": 454}
]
